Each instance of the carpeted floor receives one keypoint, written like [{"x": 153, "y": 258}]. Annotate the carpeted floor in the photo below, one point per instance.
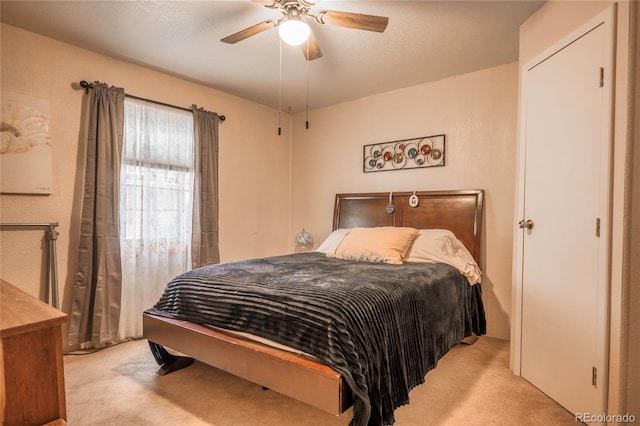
[{"x": 472, "y": 385}]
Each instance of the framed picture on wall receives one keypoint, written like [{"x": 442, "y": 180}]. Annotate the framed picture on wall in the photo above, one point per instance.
[
  {"x": 25, "y": 154},
  {"x": 427, "y": 151}
]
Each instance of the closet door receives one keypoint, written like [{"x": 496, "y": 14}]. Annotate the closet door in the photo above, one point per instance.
[{"x": 564, "y": 205}]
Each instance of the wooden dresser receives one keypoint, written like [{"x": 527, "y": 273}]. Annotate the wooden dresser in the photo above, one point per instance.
[{"x": 31, "y": 360}]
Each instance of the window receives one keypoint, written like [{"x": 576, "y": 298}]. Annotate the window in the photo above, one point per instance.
[{"x": 156, "y": 200}]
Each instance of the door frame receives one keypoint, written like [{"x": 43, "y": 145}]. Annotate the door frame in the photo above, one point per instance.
[{"x": 606, "y": 18}]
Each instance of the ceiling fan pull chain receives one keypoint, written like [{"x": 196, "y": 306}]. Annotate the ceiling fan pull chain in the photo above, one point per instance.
[
  {"x": 280, "y": 93},
  {"x": 307, "y": 121}
]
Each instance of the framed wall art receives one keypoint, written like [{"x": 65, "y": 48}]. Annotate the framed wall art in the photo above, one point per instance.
[
  {"x": 427, "y": 151},
  {"x": 25, "y": 154}
]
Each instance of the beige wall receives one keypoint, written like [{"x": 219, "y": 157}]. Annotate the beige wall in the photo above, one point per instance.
[
  {"x": 553, "y": 21},
  {"x": 476, "y": 112},
  {"x": 254, "y": 161},
  {"x": 548, "y": 25}
]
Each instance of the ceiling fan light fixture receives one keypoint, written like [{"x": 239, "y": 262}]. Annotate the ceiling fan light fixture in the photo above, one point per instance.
[{"x": 294, "y": 31}]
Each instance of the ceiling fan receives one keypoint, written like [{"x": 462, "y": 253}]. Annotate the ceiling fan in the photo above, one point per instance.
[{"x": 294, "y": 14}]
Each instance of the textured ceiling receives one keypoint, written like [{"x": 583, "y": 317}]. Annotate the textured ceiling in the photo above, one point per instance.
[{"x": 424, "y": 41}]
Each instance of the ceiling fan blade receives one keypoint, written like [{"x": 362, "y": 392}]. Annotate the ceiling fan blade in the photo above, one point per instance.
[
  {"x": 311, "y": 49},
  {"x": 353, "y": 20},
  {"x": 251, "y": 31}
]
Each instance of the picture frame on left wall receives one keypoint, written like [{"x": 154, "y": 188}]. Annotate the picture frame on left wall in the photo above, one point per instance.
[{"x": 25, "y": 151}]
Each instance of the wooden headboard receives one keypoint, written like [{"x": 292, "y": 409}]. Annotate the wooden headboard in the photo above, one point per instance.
[{"x": 459, "y": 211}]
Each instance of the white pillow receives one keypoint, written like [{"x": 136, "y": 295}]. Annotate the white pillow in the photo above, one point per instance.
[
  {"x": 333, "y": 240},
  {"x": 441, "y": 245}
]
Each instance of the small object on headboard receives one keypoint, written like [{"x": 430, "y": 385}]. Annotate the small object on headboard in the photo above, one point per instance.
[
  {"x": 414, "y": 200},
  {"x": 390, "y": 207}
]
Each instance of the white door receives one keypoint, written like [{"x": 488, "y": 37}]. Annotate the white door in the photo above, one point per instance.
[{"x": 566, "y": 119}]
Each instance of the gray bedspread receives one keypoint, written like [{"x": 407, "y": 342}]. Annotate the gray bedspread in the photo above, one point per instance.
[{"x": 383, "y": 327}]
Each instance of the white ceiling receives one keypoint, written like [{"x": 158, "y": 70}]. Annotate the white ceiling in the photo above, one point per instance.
[{"x": 424, "y": 41}]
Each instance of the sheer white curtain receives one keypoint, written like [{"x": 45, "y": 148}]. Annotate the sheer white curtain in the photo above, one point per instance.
[{"x": 156, "y": 203}]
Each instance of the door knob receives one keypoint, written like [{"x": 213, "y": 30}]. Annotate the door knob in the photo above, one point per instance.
[{"x": 525, "y": 224}]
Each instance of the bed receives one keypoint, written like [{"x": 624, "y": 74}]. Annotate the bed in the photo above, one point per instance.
[{"x": 361, "y": 362}]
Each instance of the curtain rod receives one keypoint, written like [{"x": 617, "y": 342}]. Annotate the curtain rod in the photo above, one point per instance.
[
  {"x": 30, "y": 225},
  {"x": 86, "y": 85}
]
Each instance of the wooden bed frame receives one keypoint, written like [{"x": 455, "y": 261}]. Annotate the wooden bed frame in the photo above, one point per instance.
[{"x": 299, "y": 377}]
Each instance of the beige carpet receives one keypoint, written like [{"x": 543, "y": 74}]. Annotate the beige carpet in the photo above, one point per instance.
[{"x": 472, "y": 385}]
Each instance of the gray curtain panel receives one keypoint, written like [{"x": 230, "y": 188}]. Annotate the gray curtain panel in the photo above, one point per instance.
[
  {"x": 204, "y": 240},
  {"x": 96, "y": 300}
]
